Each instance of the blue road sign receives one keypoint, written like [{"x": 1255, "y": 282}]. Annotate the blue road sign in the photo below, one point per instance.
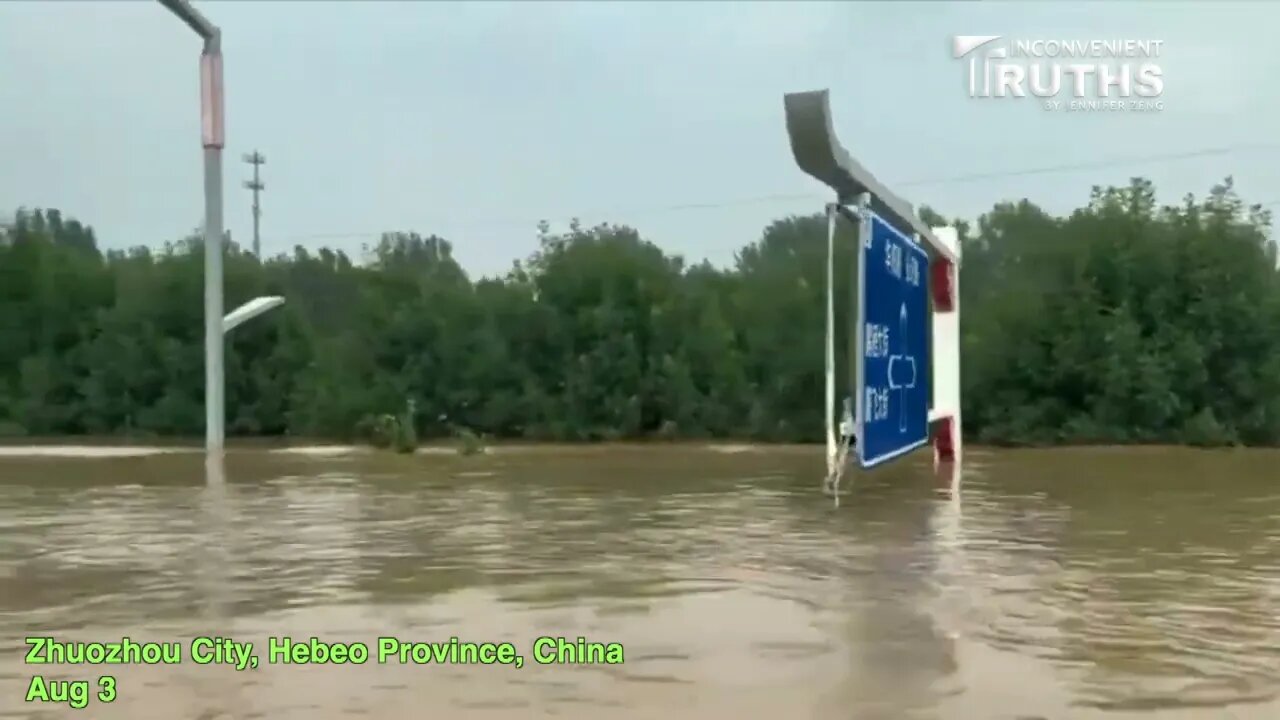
[{"x": 893, "y": 313}]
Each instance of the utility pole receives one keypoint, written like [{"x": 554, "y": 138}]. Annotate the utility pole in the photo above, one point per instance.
[{"x": 256, "y": 159}]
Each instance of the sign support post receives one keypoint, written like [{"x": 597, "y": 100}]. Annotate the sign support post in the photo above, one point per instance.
[{"x": 829, "y": 407}]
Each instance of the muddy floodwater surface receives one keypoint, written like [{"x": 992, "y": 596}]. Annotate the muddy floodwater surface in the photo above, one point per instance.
[{"x": 643, "y": 582}]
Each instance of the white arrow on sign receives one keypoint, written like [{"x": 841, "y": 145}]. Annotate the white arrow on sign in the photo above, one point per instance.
[{"x": 904, "y": 357}]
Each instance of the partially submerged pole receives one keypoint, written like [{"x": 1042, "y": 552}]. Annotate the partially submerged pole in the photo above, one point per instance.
[
  {"x": 212, "y": 127},
  {"x": 213, "y": 139},
  {"x": 830, "y": 353}
]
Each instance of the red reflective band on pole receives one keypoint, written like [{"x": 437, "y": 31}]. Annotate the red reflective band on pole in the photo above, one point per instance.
[
  {"x": 943, "y": 287},
  {"x": 211, "y": 111},
  {"x": 944, "y": 440}
]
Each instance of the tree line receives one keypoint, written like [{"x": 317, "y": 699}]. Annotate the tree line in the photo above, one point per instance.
[{"x": 1121, "y": 322}]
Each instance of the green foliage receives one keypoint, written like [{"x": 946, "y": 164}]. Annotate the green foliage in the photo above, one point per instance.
[
  {"x": 1121, "y": 322},
  {"x": 380, "y": 431}
]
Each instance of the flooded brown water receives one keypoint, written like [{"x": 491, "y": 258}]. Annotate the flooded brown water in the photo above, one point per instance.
[{"x": 1059, "y": 584}]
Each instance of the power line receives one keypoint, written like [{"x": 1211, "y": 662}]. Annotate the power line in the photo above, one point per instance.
[
  {"x": 816, "y": 197},
  {"x": 1134, "y": 160}
]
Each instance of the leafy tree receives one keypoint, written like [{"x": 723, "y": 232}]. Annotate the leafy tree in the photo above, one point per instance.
[{"x": 1122, "y": 322}]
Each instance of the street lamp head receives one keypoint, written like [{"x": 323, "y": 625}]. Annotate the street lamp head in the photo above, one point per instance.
[{"x": 250, "y": 310}]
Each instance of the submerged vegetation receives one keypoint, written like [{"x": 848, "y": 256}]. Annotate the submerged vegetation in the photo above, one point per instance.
[
  {"x": 388, "y": 431},
  {"x": 1121, "y": 322},
  {"x": 469, "y": 443}
]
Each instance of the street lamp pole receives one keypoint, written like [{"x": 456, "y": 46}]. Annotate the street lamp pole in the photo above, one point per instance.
[{"x": 213, "y": 139}]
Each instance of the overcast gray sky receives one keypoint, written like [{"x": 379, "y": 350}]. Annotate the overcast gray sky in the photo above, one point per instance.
[{"x": 475, "y": 120}]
